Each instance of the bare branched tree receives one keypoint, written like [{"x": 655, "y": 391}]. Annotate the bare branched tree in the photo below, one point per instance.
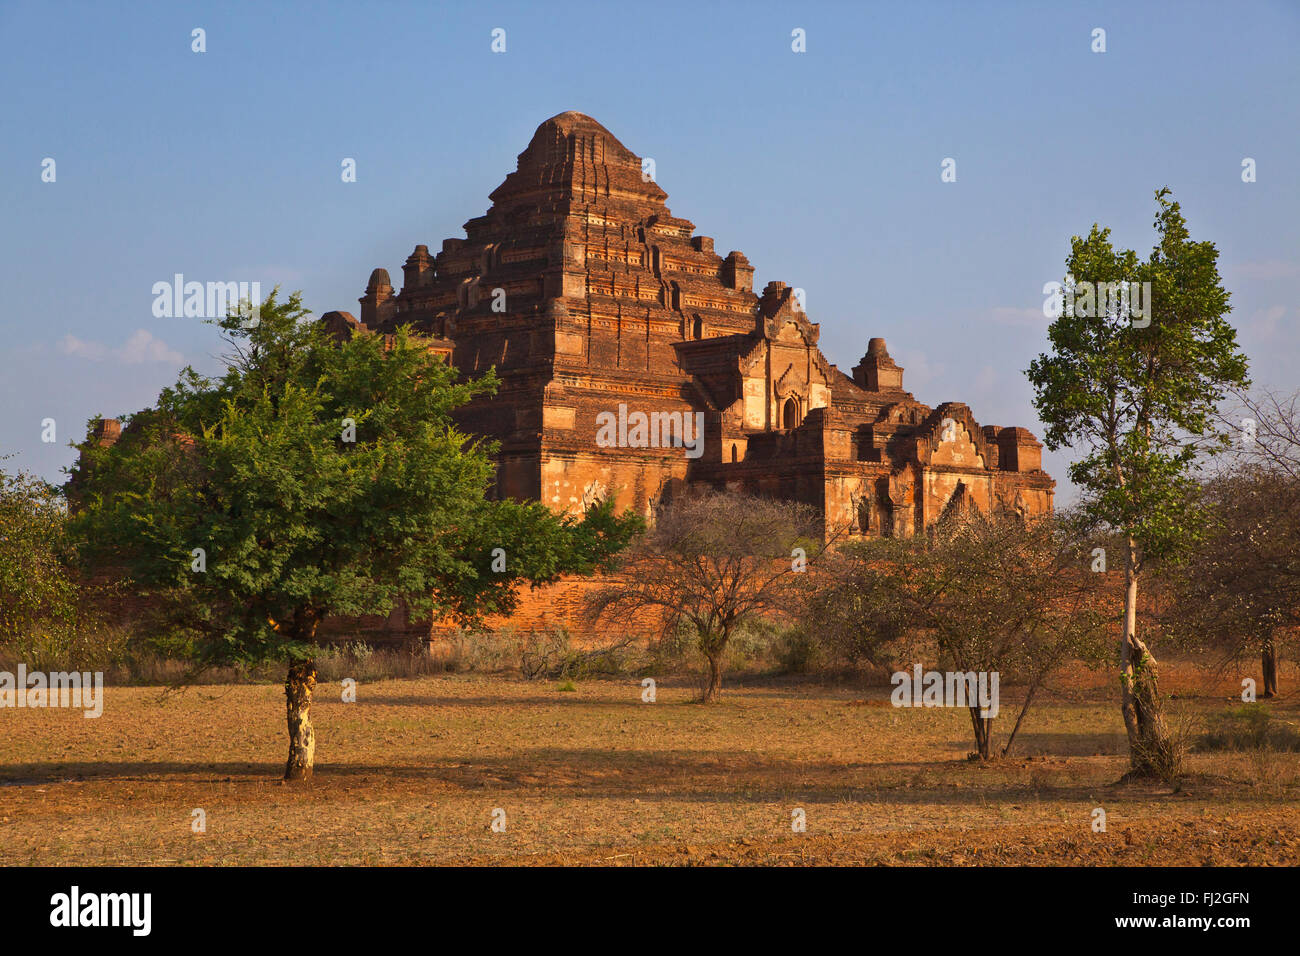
[
  {"x": 1238, "y": 591},
  {"x": 713, "y": 562},
  {"x": 1269, "y": 431},
  {"x": 993, "y": 593}
]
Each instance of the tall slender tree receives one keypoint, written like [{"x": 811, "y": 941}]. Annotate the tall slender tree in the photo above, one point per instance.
[{"x": 1137, "y": 390}]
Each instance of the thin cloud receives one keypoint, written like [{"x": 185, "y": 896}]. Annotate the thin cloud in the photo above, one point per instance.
[
  {"x": 1022, "y": 318},
  {"x": 918, "y": 370},
  {"x": 1264, "y": 323},
  {"x": 989, "y": 379},
  {"x": 1264, "y": 269},
  {"x": 140, "y": 346}
]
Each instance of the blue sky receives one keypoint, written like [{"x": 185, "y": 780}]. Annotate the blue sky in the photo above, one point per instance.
[{"x": 822, "y": 167}]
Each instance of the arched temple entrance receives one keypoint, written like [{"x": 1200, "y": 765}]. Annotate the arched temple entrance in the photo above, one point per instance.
[{"x": 790, "y": 413}]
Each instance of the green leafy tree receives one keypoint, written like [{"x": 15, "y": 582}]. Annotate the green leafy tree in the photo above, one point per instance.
[
  {"x": 41, "y": 617},
  {"x": 317, "y": 478},
  {"x": 1140, "y": 400}
]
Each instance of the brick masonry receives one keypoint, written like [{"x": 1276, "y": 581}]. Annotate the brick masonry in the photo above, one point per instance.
[{"x": 590, "y": 298}]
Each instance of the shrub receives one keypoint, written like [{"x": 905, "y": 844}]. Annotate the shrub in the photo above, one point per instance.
[
  {"x": 1248, "y": 727},
  {"x": 801, "y": 652},
  {"x": 46, "y": 619}
]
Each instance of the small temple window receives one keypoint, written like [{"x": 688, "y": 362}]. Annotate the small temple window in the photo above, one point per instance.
[{"x": 790, "y": 414}]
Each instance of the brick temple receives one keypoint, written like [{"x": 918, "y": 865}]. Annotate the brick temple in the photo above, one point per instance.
[{"x": 593, "y": 301}]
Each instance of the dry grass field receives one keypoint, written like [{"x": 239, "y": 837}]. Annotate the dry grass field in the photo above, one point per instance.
[{"x": 412, "y": 772}]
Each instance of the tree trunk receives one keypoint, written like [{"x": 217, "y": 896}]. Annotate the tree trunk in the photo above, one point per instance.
[
  {"x": 713, "y": 644},
  {"x": 1270, "y": 669},
  {"x": 713, "y": 689},
  {"x": 1024, "y": 708},
  {"x": 983, "y": 732},
  {"x": 1150, "y": 748},
  {"x": 298, "y": 687}
]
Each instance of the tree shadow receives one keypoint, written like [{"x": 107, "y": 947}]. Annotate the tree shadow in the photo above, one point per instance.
[
  {"x": 661, "y": 776},
  {"x": 1057, "y": 745}
]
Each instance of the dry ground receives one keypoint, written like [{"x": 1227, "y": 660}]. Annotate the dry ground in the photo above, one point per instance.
[{"x": 413, "y": 771}]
